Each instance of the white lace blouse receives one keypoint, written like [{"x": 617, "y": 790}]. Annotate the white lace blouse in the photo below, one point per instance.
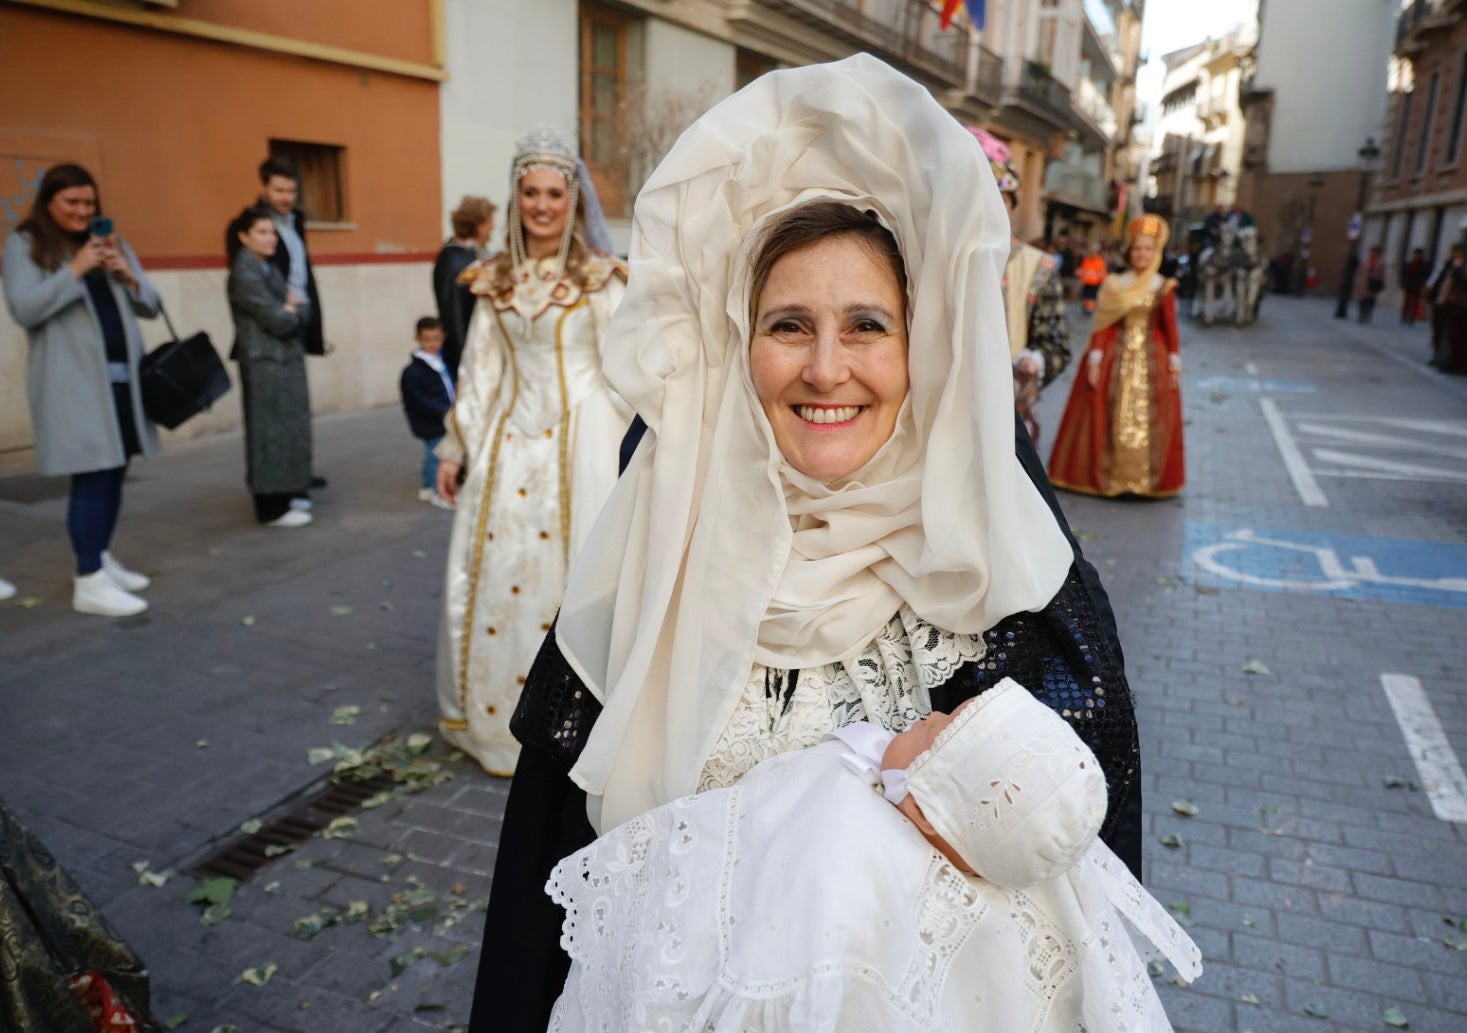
[{"x": 889, "y": 683}]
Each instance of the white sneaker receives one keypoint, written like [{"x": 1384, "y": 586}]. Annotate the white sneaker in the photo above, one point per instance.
[
  {"x": 304, "y": 505},
  {"x": 431, "y": 497},
  {"x": 98, "y": 593},
  {"x": 127, "y": 580},
  {"x": 7, "y": 590},
  {"x": 290, "y": 518}
]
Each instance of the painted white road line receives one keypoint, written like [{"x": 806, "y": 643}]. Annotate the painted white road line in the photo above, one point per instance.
[
  {"x": 1436, "y": 763},
  {"x": 1385, "y": 441},
  {"x": 1426, "y": 473},
  {"x": 1305, "y": 484}
]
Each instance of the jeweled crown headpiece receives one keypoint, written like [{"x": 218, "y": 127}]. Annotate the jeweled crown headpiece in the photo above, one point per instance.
[
  {"x": 1153, "y": 226},
  {"x": 1000, "y": 159},
  {"x": 543, "y": 148}
]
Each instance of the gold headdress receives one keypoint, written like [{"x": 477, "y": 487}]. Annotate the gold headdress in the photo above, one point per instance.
[{"x": 1153, "y": 226}]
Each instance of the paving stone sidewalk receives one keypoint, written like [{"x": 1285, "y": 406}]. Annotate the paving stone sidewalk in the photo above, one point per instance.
[{"x": 1317, "y": 893}]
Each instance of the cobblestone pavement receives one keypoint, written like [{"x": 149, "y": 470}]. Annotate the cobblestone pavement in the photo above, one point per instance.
[{"x": 1316, "y": 876}]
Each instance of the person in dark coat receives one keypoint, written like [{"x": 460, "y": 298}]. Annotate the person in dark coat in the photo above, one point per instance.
[
  {"x": 1449, "y": 314},
  {"x": 473, "y": 222},
  {"x": 268, "y": 323},
  {"x": 1414, "y": 277},
  {"x": 427, "y": 387}
]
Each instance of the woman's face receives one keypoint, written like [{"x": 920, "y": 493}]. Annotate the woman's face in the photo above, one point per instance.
[
  {"x": 829, "y": 355},
  {"x": 1143, "y": 250},
  {"x": 260, "y": 238},
  {"x": 72, "y": 209},
  {"x": 544, "y": 207}
]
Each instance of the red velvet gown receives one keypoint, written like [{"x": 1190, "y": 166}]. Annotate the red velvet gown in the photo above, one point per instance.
[{"x": 1124, "y": 437}]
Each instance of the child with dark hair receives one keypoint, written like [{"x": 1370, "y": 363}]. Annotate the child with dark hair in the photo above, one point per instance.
[{"x": 427, "y": 386}]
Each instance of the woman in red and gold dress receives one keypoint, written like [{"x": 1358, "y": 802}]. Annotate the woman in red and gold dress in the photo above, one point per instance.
[{"x": 1122, "y": 429}]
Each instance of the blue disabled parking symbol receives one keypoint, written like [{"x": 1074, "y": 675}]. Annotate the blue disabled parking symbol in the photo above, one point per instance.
[{"x": 1390, "y": 570}]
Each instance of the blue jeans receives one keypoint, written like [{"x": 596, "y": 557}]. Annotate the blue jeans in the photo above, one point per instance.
[
  {"x": 430, "y": 462},
  {"x": 91, "y": 514}
]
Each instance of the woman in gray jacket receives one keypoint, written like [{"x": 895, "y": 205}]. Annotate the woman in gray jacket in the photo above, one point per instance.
[
  {"x": 268, "y": 322},
  {"x": 77, "y": 289}
]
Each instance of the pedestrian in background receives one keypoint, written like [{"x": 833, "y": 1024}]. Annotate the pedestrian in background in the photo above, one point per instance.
[
  {"x": 1414, "y": 277},
  {"x": 1093, "y": 271},
  {"x": 1369, "y": 282},
  {"x": 473, "y": 222},
  {"x": 280, "y": 187},
  {"x": 427, "y": 392},
  {"x": 1122, "y": 429},
  {"x": 77, "y": 289},
  {"x": 270, "y": 321},
  {"x": 1449, "y": 314}
]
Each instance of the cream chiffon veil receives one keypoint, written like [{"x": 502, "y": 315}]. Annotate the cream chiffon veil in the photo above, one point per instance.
[{"x": 665, "y": 607}]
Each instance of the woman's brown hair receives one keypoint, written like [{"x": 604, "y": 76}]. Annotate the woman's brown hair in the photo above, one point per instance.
[
  {"x": 51, "y": 246},
  {"x": 808, "y": 225}
]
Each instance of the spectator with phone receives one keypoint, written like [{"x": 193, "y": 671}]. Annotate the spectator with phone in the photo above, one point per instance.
[{"x": 77, "y": 289}]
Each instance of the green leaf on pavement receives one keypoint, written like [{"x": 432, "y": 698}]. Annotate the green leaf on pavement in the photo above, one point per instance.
[
  {"x": 1397, "y": 782},
  {"x": 228, "y": 1027},
  {"x": 345, "y": 715},
  {"x": 419, "y": 742},
  {"x": 174, "y": 1021},
  {"x": 1155, "y": 969},
  {"x": 218, "y": 889},
  {"x": 1249, "y": 998},
  {"x": 1172, "y": 841},
  {"x": 248, "y": 620},
  {"x": 261, "y": 975},
  {"x": 407, "y": 959},
  {"x": 1395, "y": 1017},
  {"x": 452, "y": 956},
  {"x": 1456, "y": 941},
  {"x": 276, "y": 849},
  {"x": 343, "y": 827},
  {"x": 252, "y": 826},
  {"x": 30, "y": 602},
  {"x": 1316, "y": 1011},
  {"x": 1181, "y": 910},
  {"x": 319, "y": 755},
  {"x": 214, "y": 914},
  {"x": 355, "y": 911},
  {"x": 340, "y": 611},
  {"x": 1186, "y": 808},
  {"x": 308, "y": 926},
  {"x": 1256, "y": 667}
]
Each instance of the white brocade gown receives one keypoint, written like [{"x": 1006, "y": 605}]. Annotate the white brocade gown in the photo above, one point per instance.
[{"x": 537, "y": 431}]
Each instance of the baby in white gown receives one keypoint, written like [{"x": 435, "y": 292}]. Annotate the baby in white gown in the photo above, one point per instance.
[{"x": 801, "y": 900}]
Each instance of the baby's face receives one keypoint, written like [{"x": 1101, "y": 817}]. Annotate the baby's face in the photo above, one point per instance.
[{"x": 918, "y": 739}]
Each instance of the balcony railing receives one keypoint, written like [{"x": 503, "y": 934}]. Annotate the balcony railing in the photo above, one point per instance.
[
  {"x": 1070, "y": 184},
  {"x": 1042, "y": 91},
  {"x": 908, "y": 32},
  {"x": 990, "y": 74},
  {"x": 1420, "y": 18}
]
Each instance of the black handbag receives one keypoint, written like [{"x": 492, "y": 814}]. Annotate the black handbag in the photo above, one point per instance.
[{"x": 181, "y": 378}]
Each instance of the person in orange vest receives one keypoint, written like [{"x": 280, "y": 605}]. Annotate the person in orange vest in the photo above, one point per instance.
[{"x": 1093, "y": 271}]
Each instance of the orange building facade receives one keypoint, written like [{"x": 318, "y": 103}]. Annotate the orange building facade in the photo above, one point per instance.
[{"x": 173, "y": 107}]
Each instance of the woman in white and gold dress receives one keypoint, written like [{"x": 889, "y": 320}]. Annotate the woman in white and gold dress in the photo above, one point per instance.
[{"x": 535, "y": 432}]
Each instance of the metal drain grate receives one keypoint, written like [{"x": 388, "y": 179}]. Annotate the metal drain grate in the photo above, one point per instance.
[{"x": 243, "y": 857}]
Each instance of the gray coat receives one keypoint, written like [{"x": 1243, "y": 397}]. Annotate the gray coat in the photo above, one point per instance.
[
  {"x": 272, "y": 367},
  {"x": 72, "y": 410}
]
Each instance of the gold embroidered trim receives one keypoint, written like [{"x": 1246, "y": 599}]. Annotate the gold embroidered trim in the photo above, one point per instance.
[
  {"x": 453, "y": 724},
  {"x": 481, "y": 525},
  {"x": 565, "y": 415}
]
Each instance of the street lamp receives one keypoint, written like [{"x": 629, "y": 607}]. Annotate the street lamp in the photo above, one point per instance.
[{"x": 1367, "y": 156}]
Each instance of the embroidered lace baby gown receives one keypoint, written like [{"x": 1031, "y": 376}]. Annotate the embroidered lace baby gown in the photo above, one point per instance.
[{"x": 800, "y": 900}]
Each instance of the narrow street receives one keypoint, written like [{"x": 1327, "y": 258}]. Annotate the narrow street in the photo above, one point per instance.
[{"x": 1293, "y": 633}]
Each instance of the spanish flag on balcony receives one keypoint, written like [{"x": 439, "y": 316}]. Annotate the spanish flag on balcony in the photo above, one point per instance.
[{"x": 975, "y": 12}]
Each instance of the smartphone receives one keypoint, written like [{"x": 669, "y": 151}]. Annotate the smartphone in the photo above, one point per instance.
[{"x": 101, "y": 226}]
